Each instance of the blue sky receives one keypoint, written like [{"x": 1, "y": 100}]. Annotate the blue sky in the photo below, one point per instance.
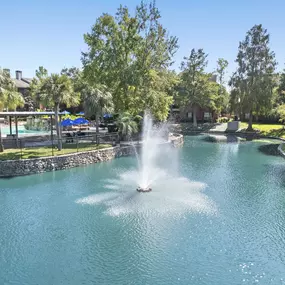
[{"x": 50, "y": 33}]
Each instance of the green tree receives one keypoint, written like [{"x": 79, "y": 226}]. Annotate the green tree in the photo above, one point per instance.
[
  {"x": 76, "y": 77},
  {"x": 254, "y": 78},
  {"x": 157, "y": 94},
  {"x": 127, "y": 125},
  {"x": 215, "y": 94},
  {"x": 281, "y": 113},
  {"x": 97, "y": 101},
  {"x": 222, "y": 65},
  {"x": 55, "y": 90},
  {"x": 35, "y": 86},
  {"x": 281, "y": 89},
  {"x": 10, "y": 98},
  {"x": 78, "y": 81},
  {"x": 223, "y": 98},
  {"x": 195, "y": 83},
  {"x": 123, "y": 53}
]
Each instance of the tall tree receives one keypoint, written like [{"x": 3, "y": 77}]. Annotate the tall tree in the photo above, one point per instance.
[
  {"x": 97, "y": 101},
  {"x": 10, "y": 98},
  {"x": 35, "y": 86},
  {"x": 254, "y": 78},
  {"x": 281, "y": 89},
  {"x": 78, "y": 81},
  {"x": 194, "y": 81},
  {"x": 123, "y": 51},
  {"x": 55, "y": 90},
  {"x": 76, "y": 77},
  {"x": 223, "y": 98}
]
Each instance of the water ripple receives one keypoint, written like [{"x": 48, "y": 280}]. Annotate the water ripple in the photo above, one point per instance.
[{"x": 170, "y": 195}]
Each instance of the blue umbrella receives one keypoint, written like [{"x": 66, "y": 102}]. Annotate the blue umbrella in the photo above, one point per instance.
[
  {"x": 80, "y": 114},
  {"x": 108, "y": 116},
  {"x": 80, "y": 121},
  {"x": 67, "y": 123},
  {"x": 65, "y": 112}
]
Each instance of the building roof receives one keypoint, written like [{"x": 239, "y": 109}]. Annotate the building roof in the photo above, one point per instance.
[
  {"x": 21, "y": 83},
  {"x": 27, "y": 80},
  {"x": 26, "y": 114},
  {"x": 213, "y": 78}
]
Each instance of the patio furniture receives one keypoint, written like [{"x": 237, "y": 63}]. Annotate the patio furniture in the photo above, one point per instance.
[{"x": 69, "y": 138}]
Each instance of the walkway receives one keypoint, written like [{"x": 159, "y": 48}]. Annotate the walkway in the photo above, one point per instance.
[{"x": 219, "y": 128}]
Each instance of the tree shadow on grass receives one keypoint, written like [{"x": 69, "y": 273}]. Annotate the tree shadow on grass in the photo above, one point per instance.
[
  {"x": 274, "y": 133},
  {"x": 269, "y": 133}
]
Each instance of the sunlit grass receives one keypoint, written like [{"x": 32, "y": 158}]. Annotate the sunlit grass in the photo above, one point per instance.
[
  {"x": 274, "y": 130},
  {"x": 36, "y": 152}
]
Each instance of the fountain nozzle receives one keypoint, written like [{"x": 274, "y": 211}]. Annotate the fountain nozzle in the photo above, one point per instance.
[{"x": 147, "y": 189}]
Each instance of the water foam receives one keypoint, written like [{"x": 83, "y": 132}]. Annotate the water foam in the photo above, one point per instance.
[{"x": 171, "y": 192}]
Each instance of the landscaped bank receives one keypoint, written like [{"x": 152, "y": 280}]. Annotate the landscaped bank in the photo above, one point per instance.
[{"x": 9, "y": 168}]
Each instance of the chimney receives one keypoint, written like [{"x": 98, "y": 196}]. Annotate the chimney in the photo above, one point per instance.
[
  {"x": 7, "y": 71},
  {"x": 19, "y": 74}
]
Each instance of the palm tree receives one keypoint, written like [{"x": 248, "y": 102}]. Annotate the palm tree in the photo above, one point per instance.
[
  {"x": 55, "y": 90},
  {"x": 127, "y": 125},
  {"x": 97, "y": 101},
  {"x": 10, "y": 98}
]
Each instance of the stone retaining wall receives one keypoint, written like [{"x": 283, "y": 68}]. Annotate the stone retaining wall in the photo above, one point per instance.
[
  {"x": 282, "y": 153},
  {"x": 177, "y": 140},
  {"x": 9, "y": 168}
]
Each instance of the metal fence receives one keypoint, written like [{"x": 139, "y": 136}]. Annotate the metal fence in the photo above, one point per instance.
[{"x": 42, "y": 146}]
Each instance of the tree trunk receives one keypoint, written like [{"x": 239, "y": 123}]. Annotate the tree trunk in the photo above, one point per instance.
[
  {"x": 1, "y": 142},
  {"x": 97, "y": 128},
  {"x": 195, "y": 117},
  {"x": 58, "y": 132},
  {"x": 249, "y": 128},
  {"x": 97, "y": 124}
]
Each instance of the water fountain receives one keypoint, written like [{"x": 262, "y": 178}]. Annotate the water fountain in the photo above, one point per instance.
[
  {"x": 151, "y": 142},
  {"x": 157, "y": 172}
]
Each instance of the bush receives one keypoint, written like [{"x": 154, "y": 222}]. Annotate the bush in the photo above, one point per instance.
[
  {"x": 112, "y": 128},
  {"x": 71, "y": 117},
  {"x": 37, "y": 124},
  {"x": 223, "y": 120}
]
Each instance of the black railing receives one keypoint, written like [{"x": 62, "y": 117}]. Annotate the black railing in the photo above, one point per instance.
[{"x": 43, "y": 146}]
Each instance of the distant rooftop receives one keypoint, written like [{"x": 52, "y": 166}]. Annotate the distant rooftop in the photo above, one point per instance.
[
  {"x": 21, "y": 83},
  {"x": 19, "y": 80},
  {"x": 28, "y": 80}
]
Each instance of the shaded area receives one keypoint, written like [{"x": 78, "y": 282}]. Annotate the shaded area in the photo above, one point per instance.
[
  {"x": 189, "y": 128},
  {"x": 269, "y": 149}
]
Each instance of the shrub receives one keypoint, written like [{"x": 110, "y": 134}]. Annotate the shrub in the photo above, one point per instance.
[
  {"x": 37, "y": 124},
  {"x": 223, "y": 120}
]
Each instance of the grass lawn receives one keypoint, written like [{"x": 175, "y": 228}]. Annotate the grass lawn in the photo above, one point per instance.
[
  {"x": 275, "y": 130},
  {"x": 34, "y": 152}
]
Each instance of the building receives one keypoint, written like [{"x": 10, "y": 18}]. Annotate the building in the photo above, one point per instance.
[{"x": 23, "y": 86}]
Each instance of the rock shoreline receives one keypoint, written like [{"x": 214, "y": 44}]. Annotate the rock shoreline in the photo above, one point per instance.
[{"x": 11, "y": 168}]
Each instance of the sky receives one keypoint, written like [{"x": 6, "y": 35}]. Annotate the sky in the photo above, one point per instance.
[{"x": 50, "y": 33}]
